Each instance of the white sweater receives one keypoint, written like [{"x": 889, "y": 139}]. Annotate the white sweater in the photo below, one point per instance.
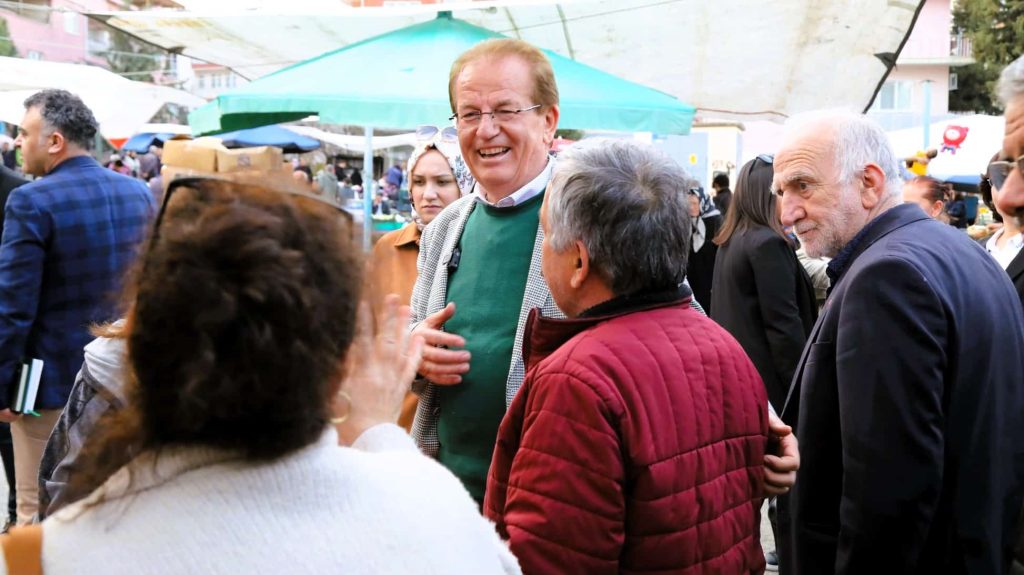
[{"x": 378, "y": 507}]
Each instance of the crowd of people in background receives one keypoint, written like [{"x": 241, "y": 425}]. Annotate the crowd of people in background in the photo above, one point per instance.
[{"x": 582, "y": 364}]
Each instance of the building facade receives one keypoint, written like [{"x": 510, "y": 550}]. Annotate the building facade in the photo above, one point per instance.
[{"x": 917, "y": 89}]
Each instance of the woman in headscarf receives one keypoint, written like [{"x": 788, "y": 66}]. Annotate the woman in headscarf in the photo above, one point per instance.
[
  {"x": 706, "y": 221},
  {"x": 437, "y": 177}
]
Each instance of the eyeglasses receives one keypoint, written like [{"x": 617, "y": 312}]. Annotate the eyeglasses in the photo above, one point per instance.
[
  {"x": 429, "y": 133},
  {"x": 471, "y": 119},
  {"x": 999, "y": 170},
  {"x": 200, "y": 181},
  {"x": 767, "y": 158}
]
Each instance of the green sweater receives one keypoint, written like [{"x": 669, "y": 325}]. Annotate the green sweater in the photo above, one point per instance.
[{"x": 487, "y": 288}]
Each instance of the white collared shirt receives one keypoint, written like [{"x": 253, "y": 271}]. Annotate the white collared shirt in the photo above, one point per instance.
[
  {"x": 1008, "y": 252},
  {"x": 530, "y": 190}
]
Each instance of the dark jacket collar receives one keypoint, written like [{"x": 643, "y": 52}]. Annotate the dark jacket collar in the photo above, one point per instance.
[
  {"x": 544, "y": 335},
  {"x": 1016, "y": 266},
  {"x": 887, "y": 221},
  {"x": 75, "y": 162}
]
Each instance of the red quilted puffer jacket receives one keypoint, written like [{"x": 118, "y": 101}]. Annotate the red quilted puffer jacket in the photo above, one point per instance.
[{"x": 635, "y": 445}]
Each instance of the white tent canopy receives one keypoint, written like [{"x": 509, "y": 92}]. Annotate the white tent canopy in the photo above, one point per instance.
[
  {"x": 121, "y": 106},
  {"x": 354, "y": 143},
  {"x": 742, "y": 59}
]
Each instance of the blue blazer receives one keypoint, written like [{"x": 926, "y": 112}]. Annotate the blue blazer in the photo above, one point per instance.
[
  {"x": 909, "y": 407},
  {"x": 68, "y": 239}
]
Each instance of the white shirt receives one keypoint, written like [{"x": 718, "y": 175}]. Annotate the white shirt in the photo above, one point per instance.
[
  {"x": 379, "y": 506},
  {"x": 1008, "y": 252},
  {"x": 530, "y": 190}
]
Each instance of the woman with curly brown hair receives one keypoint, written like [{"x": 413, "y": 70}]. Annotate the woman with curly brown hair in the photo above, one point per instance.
[{"x": 247, "y": 369}]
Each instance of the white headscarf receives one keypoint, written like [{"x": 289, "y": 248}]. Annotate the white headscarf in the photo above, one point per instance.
[{"x": 451, "y": 152}]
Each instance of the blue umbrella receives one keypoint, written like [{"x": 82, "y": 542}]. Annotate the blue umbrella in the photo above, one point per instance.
[
  {"x": 277, "y": 136},
  {"x": 140, "y": 143}
]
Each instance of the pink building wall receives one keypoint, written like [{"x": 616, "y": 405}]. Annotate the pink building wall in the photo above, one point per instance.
[
  {"x": 64, "y": 38},
  {"x": 930, "y": 37}
]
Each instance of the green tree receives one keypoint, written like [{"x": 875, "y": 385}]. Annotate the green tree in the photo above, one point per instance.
[
  {"x": 132, "y": 58},
  {"x": 575, "y": 135},
  {"x": 996, "y": 31},
  {"x": 6, "y": 42}
]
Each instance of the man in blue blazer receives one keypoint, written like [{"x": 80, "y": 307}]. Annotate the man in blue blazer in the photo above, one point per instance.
[
  {"x": 67, "y": 241},
  {"x": 908, "y": 400}
]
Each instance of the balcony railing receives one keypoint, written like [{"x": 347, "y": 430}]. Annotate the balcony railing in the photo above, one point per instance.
[{"x": 960, "y": 46}]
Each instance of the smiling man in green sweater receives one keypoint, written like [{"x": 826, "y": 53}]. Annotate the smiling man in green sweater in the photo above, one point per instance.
[{"x": 481, "y": 256}]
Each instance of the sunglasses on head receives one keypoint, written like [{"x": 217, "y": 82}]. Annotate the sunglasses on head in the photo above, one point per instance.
[
  {"x": 428, "y": 133},
  {"x": 767, "y": 158},
  {"x": 999, "y": 170}
]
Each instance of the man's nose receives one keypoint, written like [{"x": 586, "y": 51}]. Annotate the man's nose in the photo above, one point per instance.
[
  {"x": 790, "y": 210},
  {"x": 1011, "y": 196},
  {"x": 488, "y": 125}
]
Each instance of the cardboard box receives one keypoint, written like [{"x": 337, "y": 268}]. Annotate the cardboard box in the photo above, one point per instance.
[
  {"x": 198, "y": 155},
  {"x": 171, "y": 173},
  {"x": 262, "y": 158}
]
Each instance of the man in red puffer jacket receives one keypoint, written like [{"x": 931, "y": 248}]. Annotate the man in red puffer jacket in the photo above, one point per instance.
[{"x": 637, "y": 441}]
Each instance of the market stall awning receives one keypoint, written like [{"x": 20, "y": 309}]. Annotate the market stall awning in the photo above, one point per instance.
[
  {"x": 744, "y": 59},
  {"x": 400, "y": 80},
  {"x": 121, "y": 106},
  {"x": 289, "y": 141}
]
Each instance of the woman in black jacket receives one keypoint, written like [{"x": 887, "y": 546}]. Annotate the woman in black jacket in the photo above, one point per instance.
[{"x": 760, "y": 293}]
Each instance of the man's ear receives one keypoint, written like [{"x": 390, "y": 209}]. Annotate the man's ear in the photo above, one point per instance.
[
  {"x": 57, "y": 143},
  {"x": 872, "y": 186},
  {"x": 550, "y": 124},
  {"x": 582, "y": 271}
]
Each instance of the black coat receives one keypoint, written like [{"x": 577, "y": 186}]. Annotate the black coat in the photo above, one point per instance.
[
  {"x": 1015, "y": 270},
  {"x": 700, "y": 267},
  {"x": 909, "y": 404},
  {"x": 9, "y": 179},
  {"x": 764, "y": 298},
  {"x": 1016, "y": 273}
]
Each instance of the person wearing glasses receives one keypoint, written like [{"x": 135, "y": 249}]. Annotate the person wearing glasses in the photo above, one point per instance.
[
  {"x": 907, "y": 400},
  {"x": 1006, "y": 174},
  {"x": 249, "y": 368},
  {"x": 437, "y": 177},
  {"x": 480, "y": 263},
  {"x": 1005, "y": 244},
  {"x": 480, "y": 259}
]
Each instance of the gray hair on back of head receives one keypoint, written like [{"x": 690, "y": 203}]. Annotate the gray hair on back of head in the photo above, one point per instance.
[
  {"x": 1011, "y": 81},
  {"x": 627, "y": 203},
  {"x": 857, "y": 141}
]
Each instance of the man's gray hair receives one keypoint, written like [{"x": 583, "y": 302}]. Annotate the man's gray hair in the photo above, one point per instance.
[
  {"x": 1011, "y": 81},
  {"x": 626, "y": 202},
  {"x": 857, "y": 141}
]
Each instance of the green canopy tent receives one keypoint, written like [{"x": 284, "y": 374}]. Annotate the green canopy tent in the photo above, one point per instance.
[{"x": 399, "y": 80}]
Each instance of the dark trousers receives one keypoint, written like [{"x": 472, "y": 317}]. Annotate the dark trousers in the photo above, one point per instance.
[{"x": 7, "y": 455}]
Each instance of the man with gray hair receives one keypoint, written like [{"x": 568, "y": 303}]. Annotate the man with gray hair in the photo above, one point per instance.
[
  {"x": 624, "y": 396},
  {"x": 907, "y": 401},
  {"x": 1007, "y": 173}
]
